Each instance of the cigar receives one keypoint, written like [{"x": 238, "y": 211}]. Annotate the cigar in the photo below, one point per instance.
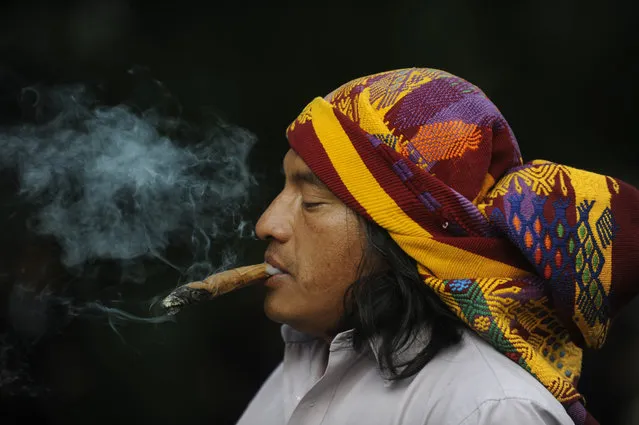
[{"x": 214, "y": 286}]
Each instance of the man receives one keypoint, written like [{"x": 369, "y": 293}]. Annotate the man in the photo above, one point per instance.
[{"x": 428, "y": 276}]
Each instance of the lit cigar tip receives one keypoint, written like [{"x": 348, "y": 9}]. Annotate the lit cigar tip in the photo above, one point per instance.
[
  {"x": 172, "y": 305},
  {"x": 182, "y": 296}
]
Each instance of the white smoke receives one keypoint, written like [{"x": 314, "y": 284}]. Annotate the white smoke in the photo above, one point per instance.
[{"x": 110, "y": 186}]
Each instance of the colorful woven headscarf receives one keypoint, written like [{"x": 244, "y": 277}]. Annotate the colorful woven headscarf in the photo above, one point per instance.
[{"x": 536, "y": 258}]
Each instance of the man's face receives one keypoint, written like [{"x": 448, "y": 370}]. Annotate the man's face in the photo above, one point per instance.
[{"x": 317, "y": 241}]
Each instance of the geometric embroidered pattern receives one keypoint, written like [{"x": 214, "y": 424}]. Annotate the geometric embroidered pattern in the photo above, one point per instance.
[
  {"x": 445, "y": 140},
  {"x": 541, "y": 180},
  {"x": 606, "y": 227},
  {"x": 591, "y": 296},
  {"x": 469, "y": 296},
  {"x": 541, "y": 240},
  {"x": 390, "y": 88}
]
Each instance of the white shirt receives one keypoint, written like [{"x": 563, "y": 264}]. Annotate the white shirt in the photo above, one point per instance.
[{"x": 468, "y": 384}]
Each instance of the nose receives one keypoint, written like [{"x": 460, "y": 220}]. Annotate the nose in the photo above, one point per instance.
[{"x": 276, "y": 222}]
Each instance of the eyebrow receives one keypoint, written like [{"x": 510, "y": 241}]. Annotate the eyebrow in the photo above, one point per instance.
[{"x": 307, "y": 177}]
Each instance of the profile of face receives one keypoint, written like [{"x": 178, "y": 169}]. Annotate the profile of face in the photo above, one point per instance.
[{"x": 317, "y": 242}]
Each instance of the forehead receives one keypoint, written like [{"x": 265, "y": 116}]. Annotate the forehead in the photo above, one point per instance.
[
  {"x": 294, "y": 163},
  {"x": 298, "y": 173}
]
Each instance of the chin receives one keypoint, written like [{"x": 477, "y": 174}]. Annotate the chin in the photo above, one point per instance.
[
  {"x": 274, "y": 308},
  {"x": 278, "y": 309}
]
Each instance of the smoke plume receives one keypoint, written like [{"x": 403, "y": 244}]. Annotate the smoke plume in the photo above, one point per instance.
[{"x": 110, "y": 186}]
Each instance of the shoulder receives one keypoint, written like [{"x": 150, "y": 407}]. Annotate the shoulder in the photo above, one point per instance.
[
  {"x": 472, "y": 383},
  {"x": 520, "y": 410}
]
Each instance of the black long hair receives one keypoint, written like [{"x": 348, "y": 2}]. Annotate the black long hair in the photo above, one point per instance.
[{"x": 390, "y": 302}]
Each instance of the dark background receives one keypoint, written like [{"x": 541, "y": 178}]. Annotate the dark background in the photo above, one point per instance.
[{"x": 564, "y": 73}]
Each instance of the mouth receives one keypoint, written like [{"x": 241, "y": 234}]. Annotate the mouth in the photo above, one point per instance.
[
  {"x": 272, "y": 270},
  {"x": 277, "y": 274}
]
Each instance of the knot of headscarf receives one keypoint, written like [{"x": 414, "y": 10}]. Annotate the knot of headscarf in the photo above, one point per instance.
[{"x": 536, "y": 258}]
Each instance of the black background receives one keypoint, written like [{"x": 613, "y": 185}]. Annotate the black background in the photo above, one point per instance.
[{"x": 564, "y": 74}]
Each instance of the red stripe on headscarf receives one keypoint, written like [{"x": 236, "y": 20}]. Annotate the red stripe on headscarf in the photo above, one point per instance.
[{"x": 625, "y": 245}]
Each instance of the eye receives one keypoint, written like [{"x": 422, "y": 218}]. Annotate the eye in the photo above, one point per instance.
[{"x": 311, "y": 205}]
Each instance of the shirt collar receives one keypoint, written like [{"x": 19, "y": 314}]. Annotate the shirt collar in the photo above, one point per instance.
[
  {"x": 343, "y": 340},
  {"x": 291, "y": 335}
]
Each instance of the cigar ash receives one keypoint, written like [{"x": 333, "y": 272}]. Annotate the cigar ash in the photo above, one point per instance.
[{"x": 184, "y": 295}]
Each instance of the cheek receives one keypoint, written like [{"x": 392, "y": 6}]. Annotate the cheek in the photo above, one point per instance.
[{"x": 334, "y": 255}]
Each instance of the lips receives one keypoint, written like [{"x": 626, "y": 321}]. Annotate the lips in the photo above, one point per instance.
[
  {"x": 278, "y": 273},
  {"x": 274, "y": 266}
]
